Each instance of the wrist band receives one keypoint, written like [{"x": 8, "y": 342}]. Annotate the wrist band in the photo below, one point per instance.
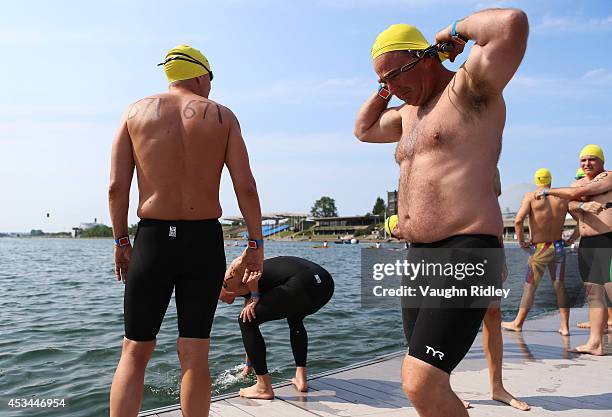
[
  {"x": 255, "y": 294},
  {"x": 383, "y": 92},
  {"x": 581, "y": 206},
  {"x": 454, "y": 29},
  {"x": 545, "y": 192},
  {"x": 122, "y": 241}
]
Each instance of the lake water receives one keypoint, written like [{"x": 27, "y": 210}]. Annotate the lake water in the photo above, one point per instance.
[{"x": 61, "y": 324}]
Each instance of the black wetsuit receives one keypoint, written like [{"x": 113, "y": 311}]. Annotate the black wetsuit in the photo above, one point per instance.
[
  {"x": 186, "y": 256},
  {"x": 594, "y": 258},
  {"x": 290, "y": 288},
  {"x": 441, "y": 331}
]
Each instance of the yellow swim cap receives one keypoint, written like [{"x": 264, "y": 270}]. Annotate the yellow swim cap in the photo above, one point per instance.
[
  {"x": 579, "y": 174},
  {"x": 390, "y": 224},
  {"x": 184, "y": 62},
  {"x": 400, "y": 37},
  {"x": 542, "y": 177},
  {"x": 592, "y": 150}
]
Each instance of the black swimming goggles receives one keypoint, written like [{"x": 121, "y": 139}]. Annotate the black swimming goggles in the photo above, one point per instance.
[{"x": 184, "y": 57}]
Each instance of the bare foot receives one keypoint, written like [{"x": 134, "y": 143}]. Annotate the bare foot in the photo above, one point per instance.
[
  {"x": 589, "y": 350},
  {"x": 300, "y": 385},
  {"x": 563, "y": 331},
  {"x": 505, "y": 397},
  {"x": 509, "y": 325},
  {"x": 245, "y": 372},
  {"x": 587, "y": 325},
  {"x": 466, "y": 404},
  {"x": 257, "y": 392}
]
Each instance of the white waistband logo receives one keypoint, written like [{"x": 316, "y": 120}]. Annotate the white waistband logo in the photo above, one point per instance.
[
  {"x": 317, "y": 278},
  {"x": 434, "y": 352},
  {"x": 172, "y": 232}
]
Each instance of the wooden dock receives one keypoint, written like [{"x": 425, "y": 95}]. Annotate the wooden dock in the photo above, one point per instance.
[{"x": 537, "y": 369}]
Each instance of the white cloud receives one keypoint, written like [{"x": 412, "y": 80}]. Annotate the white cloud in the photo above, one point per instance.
[
  {"x": 554, "y": 24},
  {"x": 592, "y": 83}
]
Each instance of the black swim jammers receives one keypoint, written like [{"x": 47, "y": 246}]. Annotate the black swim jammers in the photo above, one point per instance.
[
  {"x": 595, "y": 257},
  {"x": 186, "y": 256},
  {"x": 440, "y": 331}
]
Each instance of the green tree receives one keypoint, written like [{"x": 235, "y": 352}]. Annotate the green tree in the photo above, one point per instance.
[
  {"x": 379, "y": 207},
  {"x": 324, "y": 207},
  {"x": 132, "y": 229},
  {"x": 98, "y": 231}
]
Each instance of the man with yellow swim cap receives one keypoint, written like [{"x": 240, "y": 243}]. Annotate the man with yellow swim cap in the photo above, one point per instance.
[
  {"x": 448, "y": 129},
  {"x": 178, "y": 142},
  {"x": 546, "y": 247},
  {"x": 591, "y": 202}
]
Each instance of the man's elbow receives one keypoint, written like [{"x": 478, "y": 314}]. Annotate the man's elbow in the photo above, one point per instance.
[
  {"x": 361, "y": 133},
  {"x": 117, "y": 190},
  {"x": 517, "y": 22},
  {"x": 246, "y": 188}
]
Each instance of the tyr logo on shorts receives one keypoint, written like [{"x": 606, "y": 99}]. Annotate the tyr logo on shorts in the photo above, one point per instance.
[
  {"x": 172, "y": 232},
  {"x": 317, "y": 278},
  {"x": 434, "y": 352}
]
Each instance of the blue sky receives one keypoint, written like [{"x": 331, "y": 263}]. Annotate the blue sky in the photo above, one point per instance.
[{"x": 295, "y": 73}]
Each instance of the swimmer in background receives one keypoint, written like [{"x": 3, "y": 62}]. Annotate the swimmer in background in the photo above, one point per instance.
[
  {"x": 590, "y": 197},
  {"x": 290, "y": 288},
  {"x": 547, "y": 249}
]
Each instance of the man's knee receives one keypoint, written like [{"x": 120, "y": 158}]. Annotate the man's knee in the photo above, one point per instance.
[
  {"x": 139, "y": 352},
  {"x": 422, "y": 382},
  {"x": 193, "y": 352}
]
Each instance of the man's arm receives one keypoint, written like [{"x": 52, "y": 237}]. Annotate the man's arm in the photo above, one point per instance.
[
  {"x": 520, "y": 218},
  {"x": 122, "y": 170},
  {"x": 237, "y": 161},
  {"x": 500, "y": 37},
  {"x": 378, "y": 124},
  {"x": 599, "y": 185}
]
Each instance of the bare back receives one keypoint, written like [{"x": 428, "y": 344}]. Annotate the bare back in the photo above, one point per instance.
[
  {"x": 179, "y": 142},
  {"x": 546, "y": 218},
  {"x": 447, "y": 154}
]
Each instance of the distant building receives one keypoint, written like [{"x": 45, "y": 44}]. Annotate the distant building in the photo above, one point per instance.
[
  {"x": 342, "y": 226},
  {"x": 391, "y": 203}
]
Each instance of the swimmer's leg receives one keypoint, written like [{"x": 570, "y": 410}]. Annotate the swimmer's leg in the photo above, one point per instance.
[
  {"x": 128, "y": 382},
  {"x": 493, "y": 345},
  {"x": 597, "y": 318},
  {"x": 429, "y": 390},
  {"x": 195, "y": 376},
  {"x": 557, "y": 275},
  {"x": 516, "y": 325},
  {"x": 299, "y": 346}
]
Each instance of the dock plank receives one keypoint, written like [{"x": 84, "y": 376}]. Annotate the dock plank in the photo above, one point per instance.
[{"x": 537, "y": 369}]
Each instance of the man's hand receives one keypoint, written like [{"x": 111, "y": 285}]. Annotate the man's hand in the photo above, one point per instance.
[
  {"x": 254, "y": 265},
  {"x": 227, "y": 296},
  {"x": 444, "y": 36},
  {"x": 123, "y": 255},
  {"x": 524, "y": 245},
  {"x": 593, "y": 207},
  {"x": 248, "y": 312}
]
